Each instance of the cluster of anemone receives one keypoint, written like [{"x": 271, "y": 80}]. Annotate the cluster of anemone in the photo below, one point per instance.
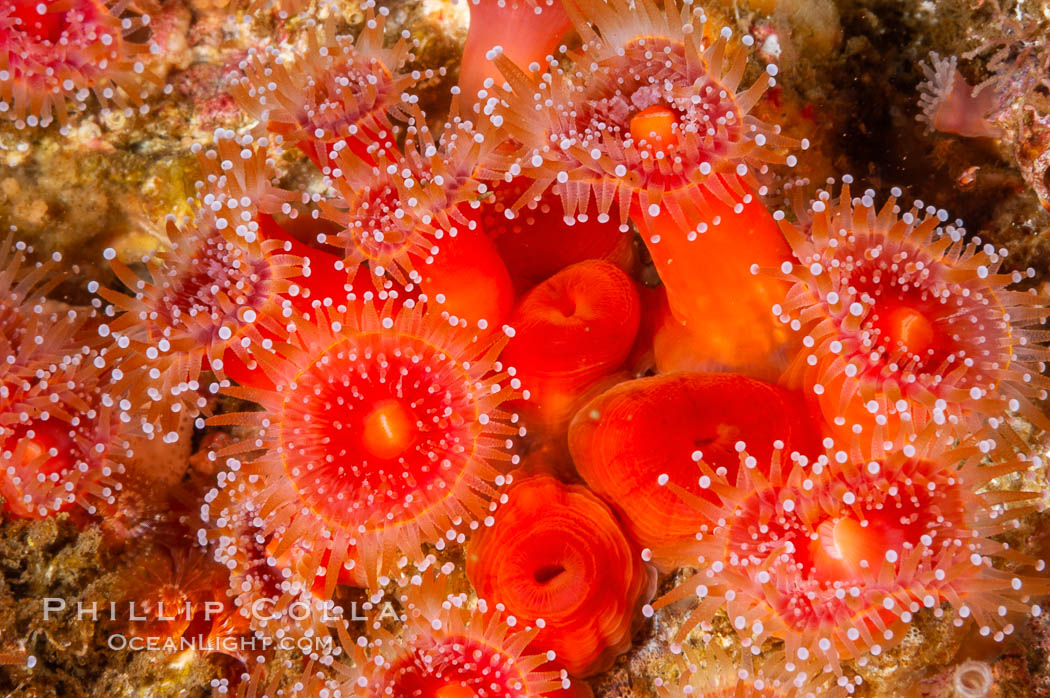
[{"x": 439, "y": 385}]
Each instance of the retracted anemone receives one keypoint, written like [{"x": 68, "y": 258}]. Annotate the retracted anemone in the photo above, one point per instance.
[
  {"x": 640, "y": 435},
  {"x": 338, "y": 88},
  {"x": 646, "y": 122},
  {"x": 835, "y": 556},
  {"x": 547, "y": 558},
  {"x": 197, "y": 300},
  {"x": 382, "y": 432},
  {"x": 55, "y": 54},
  {"x": 449, "y": 648},
  {"x": 570, "y": 331},
  {"x": 905, "y": 321}
]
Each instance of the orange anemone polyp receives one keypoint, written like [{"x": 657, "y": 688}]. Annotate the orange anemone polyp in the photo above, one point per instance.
[
  {"x": 381, "y": 432},
  {"x": 837, "y": 555},
  {"x": 570, "y": 331},
  {"x": 547, "y": 556},
  {"x": 905, "y": 319},
  {"x": 720, "y": 309},
  {"x": 635, "y": 442},
  {"x": 56, "y": 53}
]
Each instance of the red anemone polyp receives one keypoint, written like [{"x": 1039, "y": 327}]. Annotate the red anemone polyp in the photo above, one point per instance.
[
  {"x": 570, "y": 331},
  {"x": 62, "y": 439},
  {"x": 635, "y": 438},
  {"x": 641, "y": 71},
  {"x": 34, "y": 332},
  {"x": 382, "y": 432},
  {"x": 56, "y": 53},
  {"x": 546, "y": 558},
  {"x": 199, "y": 299},
  {"x": 907, "y": 321},
  {"x": 337, "y": 89},
  {"x": 409, "y": 214},
  {"x": 450, "y": 648},
  {"x": 835, "y": 556}
]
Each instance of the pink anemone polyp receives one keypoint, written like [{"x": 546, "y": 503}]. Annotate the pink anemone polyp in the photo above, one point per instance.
[
  {"x": 55, "y": 54},
  {"x": 382, "y": 432}
]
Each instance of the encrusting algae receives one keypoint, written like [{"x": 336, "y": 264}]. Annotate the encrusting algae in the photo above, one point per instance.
[{"x": 520, "y": 349}]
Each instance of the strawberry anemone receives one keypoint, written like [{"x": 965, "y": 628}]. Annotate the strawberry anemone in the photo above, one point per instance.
[
  {"x": 338, "y": 88},
  {"x": 200, "y": 299},
  {"x": 570, "y": 331},
  {"x": 275, "y": 596},
  {"x": 449, "y": 648},
  {"x": 546, "y": 558},
  {"x": 904, "y": 321},
  {"x": 382, "y": 432},
  {"x": 55, "y": 54},
  {"x": 174, "y": 595},
  {"x": 410, "y": 215},
  {"x": 836, "y": 556},
  {"x": 640, "y": 435},
  {"x": 63, "y": 438},
  {"x": 647, "y": 122}
]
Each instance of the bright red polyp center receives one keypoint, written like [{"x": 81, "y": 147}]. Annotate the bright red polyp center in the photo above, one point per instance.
[
  {"x": 655, "y": 126},
  {"x": 388, "y": 430},
  {"x": 377, "y": 429}
]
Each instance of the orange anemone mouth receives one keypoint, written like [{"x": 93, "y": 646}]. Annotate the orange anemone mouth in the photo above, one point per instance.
[{"x": 378, "y": 430}]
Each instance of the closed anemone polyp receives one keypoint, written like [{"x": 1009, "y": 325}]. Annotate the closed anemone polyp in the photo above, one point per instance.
[
  {"x": 634, "y": 440},
  {"x": 574, "y": 328},
  {"x": 547, "y": 556},
  {"x": 57, "y": 53},
  {"x": 339, "y": 88},
  {"x": 381, "y": 432},
  {"x": 902, "y": 315},
  {"x": 636, "y": 57},
  {"x": 835, "y": 556},
  {"x": 449, "y": 648}
]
